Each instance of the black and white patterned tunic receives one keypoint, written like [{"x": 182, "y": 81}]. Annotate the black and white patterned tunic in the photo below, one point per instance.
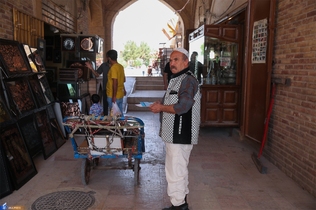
[{"x": 182, "y": 127}]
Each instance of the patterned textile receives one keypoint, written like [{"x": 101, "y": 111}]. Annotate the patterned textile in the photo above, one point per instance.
[
  {"x": 96, "y": 109},
  {"x": 183, "y": 127},
  {"x": 70, "y": 109}
]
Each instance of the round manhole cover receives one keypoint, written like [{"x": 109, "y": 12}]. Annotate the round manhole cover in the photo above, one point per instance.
[{"x": 63, "y": 200}]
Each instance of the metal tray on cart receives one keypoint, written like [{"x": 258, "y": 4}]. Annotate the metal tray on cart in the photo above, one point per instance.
[{"x": 95, "y": 137}]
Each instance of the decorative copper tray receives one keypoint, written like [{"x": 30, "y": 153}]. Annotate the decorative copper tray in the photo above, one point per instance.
[{"x": 87, "y": 44}]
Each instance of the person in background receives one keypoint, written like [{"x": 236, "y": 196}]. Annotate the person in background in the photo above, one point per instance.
[
  {"x": 166, "y": 75},
  {"x": 180, "y": 123},
  {"x": 96, "y": 108},
  {"x": 196, "y": 67},
  {"x": 102, "y": 70},
  {"x": 115, "y": 88},
  {"x": 150, "y": 70}
]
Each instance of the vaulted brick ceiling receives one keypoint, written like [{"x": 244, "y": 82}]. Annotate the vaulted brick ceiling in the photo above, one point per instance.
[{"x": 187, "y": 14}]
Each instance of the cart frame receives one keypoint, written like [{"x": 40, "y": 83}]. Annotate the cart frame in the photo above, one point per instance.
[{"x": 109, "y": 128}]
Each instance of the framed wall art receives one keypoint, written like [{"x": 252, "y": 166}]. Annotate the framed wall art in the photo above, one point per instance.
[
  {"x": 3, "y": 72},
  {"x": 21, "y": 94},
  {"x": 6, "y": 187},
  {"x": 7, "y": 100},
  {"x": 13, "y": 58},
  {"x": 37, "y": 92},
  {"x": 68, "y": 43},
  {"x": 48, "y": 142},
  {"x": 4, "y": 113},
  {"x": 259, "y": 41},
  {"x": 46, "y": 88},
  {"x": 30, "y": 58},
  {"x": 55, "y": 125},
  {"x": 21, "y": 165},
  {"x": 58, "y": 135},
  {"x": 38, "y": 60},
  {"x": 87, "y": 44},
  {"x": 30, "y": 134}
]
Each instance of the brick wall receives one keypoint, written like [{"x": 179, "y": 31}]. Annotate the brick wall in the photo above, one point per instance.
[
  {"x": 6, "y": 18},
  {"x": 292, "y": 138}
]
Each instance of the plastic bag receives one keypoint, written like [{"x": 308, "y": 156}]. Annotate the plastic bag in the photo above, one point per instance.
[{"x": 115, "y": 110}]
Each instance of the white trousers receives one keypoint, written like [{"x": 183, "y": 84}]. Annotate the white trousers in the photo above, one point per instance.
[{"x": 177, "y": 174}]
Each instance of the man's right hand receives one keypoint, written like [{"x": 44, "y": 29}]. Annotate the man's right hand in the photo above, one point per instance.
[{"x": 88, "y": 64}]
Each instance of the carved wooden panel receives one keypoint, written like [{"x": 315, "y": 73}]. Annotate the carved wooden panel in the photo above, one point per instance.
[{"x": 220, "y": 106}]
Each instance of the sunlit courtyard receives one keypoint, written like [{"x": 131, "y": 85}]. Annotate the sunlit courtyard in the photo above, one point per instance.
[{"x": 142, "y": 71}]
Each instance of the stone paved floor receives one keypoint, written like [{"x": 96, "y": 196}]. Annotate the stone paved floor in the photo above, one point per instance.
[{"x": 222, "y": 176}]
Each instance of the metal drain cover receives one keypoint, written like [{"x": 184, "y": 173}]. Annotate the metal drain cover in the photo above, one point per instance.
[{"x": 64, "y": 200}]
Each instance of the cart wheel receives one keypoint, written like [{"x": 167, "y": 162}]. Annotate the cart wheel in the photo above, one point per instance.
[
  {"x": 136, "y": 171},
  {"x": 85, "y": 171},
  {"x": 96, "y": 162}
]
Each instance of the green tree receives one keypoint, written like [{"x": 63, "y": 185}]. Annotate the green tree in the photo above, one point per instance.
[
  {"x": 144, "y": 53},
  {"x": 135, "y": 55},
  {"x": 129, "y": 53}
]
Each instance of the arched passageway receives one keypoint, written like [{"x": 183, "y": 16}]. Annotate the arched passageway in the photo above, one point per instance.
[
  {"x": 142, "y": 22},
  {"x": 102, "y": 15}
]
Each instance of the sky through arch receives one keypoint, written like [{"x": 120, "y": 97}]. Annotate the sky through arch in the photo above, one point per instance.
[{"x": 142, "y": 22}]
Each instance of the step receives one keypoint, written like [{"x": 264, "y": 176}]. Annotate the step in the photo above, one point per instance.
[
  {"x": 149, "y": 83},
  {"x": 134, "y": 107},
  {"x": 149, "y": 80},
  {"x": 149, "y": 87},
  {"x": 145, "y": 96},
  {"x": 138, "y": 96}
]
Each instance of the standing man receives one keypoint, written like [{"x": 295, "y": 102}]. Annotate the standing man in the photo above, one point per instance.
[
  {"x": 196, "y": 67},
  {"x": 115, "y": 89},
  {"x": 103, "y": 69},
  {"x": 180, "y": 125}
]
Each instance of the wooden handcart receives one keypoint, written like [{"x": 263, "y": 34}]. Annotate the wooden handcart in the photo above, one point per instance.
[{"x": 95, "y": 137}]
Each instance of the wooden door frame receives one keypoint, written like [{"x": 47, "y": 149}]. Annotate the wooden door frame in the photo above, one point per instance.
[{"x": 248, "y": 63}]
